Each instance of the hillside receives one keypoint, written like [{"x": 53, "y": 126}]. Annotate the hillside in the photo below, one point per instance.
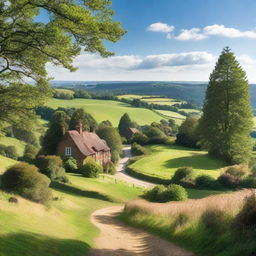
[{"x": 108, "y": 110}]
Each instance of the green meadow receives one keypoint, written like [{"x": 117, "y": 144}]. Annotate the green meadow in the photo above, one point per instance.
[
  {"x": 8, "y": 141},
  {"x": 5, "y": 162},
  {"x": 164, "y": 161},
  {"x": 108, "y": 110}
]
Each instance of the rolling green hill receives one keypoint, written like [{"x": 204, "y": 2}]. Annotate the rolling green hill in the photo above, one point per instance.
[
  {"x": 5, "y": 163},
  {"x": 108, "y": 110},
  {"x": 8, "y": 141}
]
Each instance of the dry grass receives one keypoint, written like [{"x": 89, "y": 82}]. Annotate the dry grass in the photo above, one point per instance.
[{"x": 229, "y": 202}]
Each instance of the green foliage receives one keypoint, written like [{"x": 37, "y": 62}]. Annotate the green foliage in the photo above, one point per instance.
[
  {"x": 140, "y": 138},
  {"x": 226, "y": 122},
  {"x": 91, "y": 169},
  {"x": 80, "y": 116},
  {"x": 110, "y": 168},
  {"x": 115, "y": 156},
  {"x": 163, "y": 194},
  {"x": 54, "y": 134},
  {"x": 124, "y": 123},
  {"x": 228, "y": 180},
  {"x": 30, "y": 153},
  {"x": 27, "y": 46},
  {"x": 8, "y": 151},
  {"x": 52, "y": 166},
  {"x": 205, "y": 182},
  {"x": 70, "y": 164},
  {"x": 187, "y": 133},
  {"x": 182, "y": 175},
  {"x": 248, "y": 182},
  {"x": 63, "y": 94},
  {"x": 138, "y": 150},
  {"x": 25, "y": 135},
  {"x": 112, "y": 137},
  {"x": 25, "y": 180},
  {"x": 237, "y": 170}
]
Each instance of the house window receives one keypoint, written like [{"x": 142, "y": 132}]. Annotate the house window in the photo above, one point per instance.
[{"x": 68, "y": 151}]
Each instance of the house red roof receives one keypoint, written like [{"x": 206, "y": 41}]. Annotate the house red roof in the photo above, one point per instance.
[{"x": 88, "y": 143}]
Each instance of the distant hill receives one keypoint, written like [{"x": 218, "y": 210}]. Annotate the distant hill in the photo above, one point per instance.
[{"x": 193, "y": 92}]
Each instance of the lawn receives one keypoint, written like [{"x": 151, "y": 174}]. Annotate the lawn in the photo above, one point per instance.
[
  {"x": 165, "y": 160},
  {"x": 63, "y": 229},
  {"x": 108, "y": 110}
]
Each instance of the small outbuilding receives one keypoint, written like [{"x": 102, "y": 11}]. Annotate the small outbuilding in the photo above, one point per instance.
[{"x": 130, "y": 132}]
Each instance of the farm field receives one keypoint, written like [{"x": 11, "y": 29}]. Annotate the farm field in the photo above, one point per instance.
[
  {"x": 165, "y": 160},
  {"x": 190, "y": 110},
  {"x": 108, "y": 110},
  {"x": 173, "y": 115}
]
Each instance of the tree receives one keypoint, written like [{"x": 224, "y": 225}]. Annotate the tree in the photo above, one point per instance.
[
  {"x": 188, "y": 134},
  {"x": 57, "y": 128},
  {"x": 226, "y": 122},
  {"x": 26, "y": 46},
  {"x": 124, "y": 123},
  {"x": 84, "y": 118}
]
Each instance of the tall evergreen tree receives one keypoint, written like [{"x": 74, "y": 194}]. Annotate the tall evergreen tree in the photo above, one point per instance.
[
  {"x": 124, "y": 123},
  {"x": 226, "y": 122},
  {"x": 57, "y": 128}
]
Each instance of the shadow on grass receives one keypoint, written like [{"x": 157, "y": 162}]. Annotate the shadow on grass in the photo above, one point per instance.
[
  {"x": 31, "y": 244},
  {"x": 195, "y": 161},
  {"x": 71, "y": 190}
]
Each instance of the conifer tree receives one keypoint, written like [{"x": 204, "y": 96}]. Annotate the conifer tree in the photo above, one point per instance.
[
  {"x": 124, "y": 123},
  {"x": 226, "y": 122}
]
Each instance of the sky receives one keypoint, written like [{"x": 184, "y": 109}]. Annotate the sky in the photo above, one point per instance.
[{"x": 171, "y": 40}]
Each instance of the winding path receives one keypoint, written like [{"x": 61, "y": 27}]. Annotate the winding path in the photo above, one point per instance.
[
  {"x": 117, "y": 239},
  {"x": 122, "y": 175}
]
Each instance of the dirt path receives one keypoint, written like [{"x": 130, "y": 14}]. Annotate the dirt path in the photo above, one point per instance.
[
  {"x": 116, "y": 239},
  {"x": 121, "y": 174}
]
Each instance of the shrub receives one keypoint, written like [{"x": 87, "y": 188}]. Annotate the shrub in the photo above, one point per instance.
[
  {"x": 52, "y": 167},
  {"x": 163, "y": 194},
  {"x": 246, "y": 218},
  {"x": 91, "y": 169},
  {"x": 214, "y": 221},
  {"x": 237, "y": 170},
  {"x": 140, "y": 138},
  {"x": 182, "y": 174},
  {"x": 8, "y": 151},
  {"x": 110, "y": 168},
  {"x": 205, "y": 181},
  {"x": 228, "y": 180},
  {"x": 115, "y": 156},
  {"x": 70, "y": 164},
  {"x": 138, "y": 150},
  {"x": 248, "y": 182},
  {"x": 25, "y": 180},
  {"x": 30, "y": 152}
]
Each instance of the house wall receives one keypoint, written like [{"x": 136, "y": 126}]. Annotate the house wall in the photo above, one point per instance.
[{"x": 68, "y": 142}]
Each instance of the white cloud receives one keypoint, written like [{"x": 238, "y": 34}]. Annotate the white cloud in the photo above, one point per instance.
[
  {"x": 160, "y": 27},
  {"x": 221, "y": 30},
  {"x": 191, "y": 34}
]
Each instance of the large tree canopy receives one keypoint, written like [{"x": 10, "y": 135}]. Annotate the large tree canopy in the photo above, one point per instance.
[
  {"x": 226, "y": 122},
  {"x": 26, "y": 46}
]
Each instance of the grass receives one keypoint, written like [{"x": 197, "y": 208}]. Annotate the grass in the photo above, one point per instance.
[
  {"x": 182, "y": 223},
  {"x": 164, "y": 161},
  {"x": 5, "y": 162},
  {"x": 64, "y": 229},
  {"x": 108, "y": 110},
  {"x": 8, "y": 141}
]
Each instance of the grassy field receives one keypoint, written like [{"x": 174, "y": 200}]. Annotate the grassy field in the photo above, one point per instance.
[
  {"x": 108, "y": 110},
  {"x": 8, "y": 141},
  {"x": 174, "y": 115},
  {"x": 63, "y": 229},
  {"x": 165, "y": 160}
]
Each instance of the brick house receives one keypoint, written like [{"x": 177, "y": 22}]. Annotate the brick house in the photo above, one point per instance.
[{"x": 80, "y": 145}]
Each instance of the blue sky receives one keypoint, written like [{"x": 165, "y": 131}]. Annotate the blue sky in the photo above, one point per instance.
[{"x": 172, "y": 40}]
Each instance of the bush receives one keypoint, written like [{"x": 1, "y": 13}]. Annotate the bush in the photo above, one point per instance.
[
  {"x": 52, "y": 166},
  {"x": 182, "y": 174},
  {"x": 139, "y": 138},
  {"x": 70, "y": 164},
  {"x": 110, "y": 168},
  {"x": 115, "y": 156},
  {"x": 8, "y": 151},
  {"x": 248, "y": 182},
  {"x": 25, "y": 180},
  {"x": 91, "y": 169},
  {"x": 214, "y": 221},
  {"x": 163, "y": 194},
  {"x": 138, "y": 150},
  {"x": 228, "y": 180},
  {"x": 205, "y": 182},
  {"x": 30, "y": 152},
  {"x": 237, "y": 170}
]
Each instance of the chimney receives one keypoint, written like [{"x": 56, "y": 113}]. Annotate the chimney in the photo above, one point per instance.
[{"x": 79, "y": 128}]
